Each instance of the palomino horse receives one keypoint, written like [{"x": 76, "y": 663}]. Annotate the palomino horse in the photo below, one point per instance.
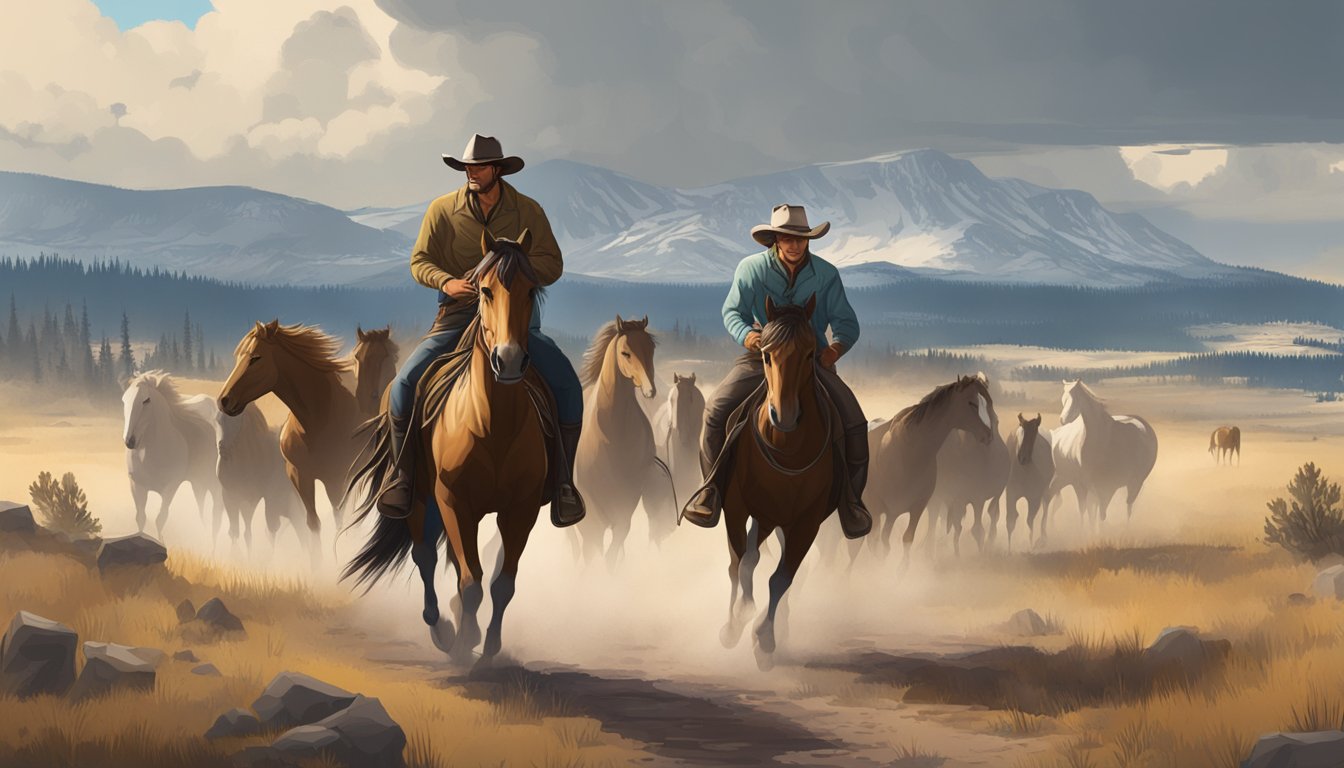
[
  {"x": 616, "y": 465},
  {"x": 971, "y": 473},
  {"x": 1225, "y": 441},
  {"x": 375, "y": 363},
  {"x": 483, "y": 449},
  {"x": 169, "y": 441},
  {"x": 252, "y": 471},
  {"x": 903, "y": 453},
  {"x": 676, "y": 430},
  {"x": 300, "y": 365},
  {"x": 1097, "y": 453},
  {"x": 1029, "y": 475},
  {"x": 784, "y": 472}
]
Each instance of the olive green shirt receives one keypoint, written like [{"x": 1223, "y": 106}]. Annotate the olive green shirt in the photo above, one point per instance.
[{"x": 449, "y": 245}]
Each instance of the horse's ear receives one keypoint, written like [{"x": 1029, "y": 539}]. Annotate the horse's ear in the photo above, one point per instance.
[
  {"x": 770, "y": 309},
  {"x": 810, "y": 306},
  {"x": 692, "y": 378},
  {"x": 525, "y": 241},
  {"x": 487, "y": 242},
  {"x": 1038, "y": 416},
  {"x": 676, "y": 378},
  {"x": 272, "y": 327},
  {"x": 359, "y": 333},
  {"x": 620, "y": 324},
  {"x": 260, "y": 330},
  {"x": 1021, "y": 420},
  {"x": 645, "y": 322}
]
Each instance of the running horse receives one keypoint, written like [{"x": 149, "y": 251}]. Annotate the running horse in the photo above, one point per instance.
[
  {"x": 1225, "y": 441},
  {"x": 783, "y": 477},
  {"x": 483, "y": 449},
  {"x": 375, "y": 363}
]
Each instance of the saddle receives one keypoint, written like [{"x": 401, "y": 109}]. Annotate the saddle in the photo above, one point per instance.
[{"x": 740, "y": 419}]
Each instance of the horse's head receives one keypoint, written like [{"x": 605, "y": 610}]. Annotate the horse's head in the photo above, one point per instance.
[
  {"x": 788, "y": 353},
  {"x": 1076, "y": 397},
  {"x": 1030, "y": 428},
  {"x": 255, "y": 369},
  {"x": 686, "y": 404},
  {"x": 375, "y": 358},
  {"x": 507, "y": 288},
  {"x": 972, "y": 408},
  {"x": 140, "y": 404},
  {"x": 634, "y": 354}
]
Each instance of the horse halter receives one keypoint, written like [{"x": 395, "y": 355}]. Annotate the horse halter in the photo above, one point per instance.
[{"x": 769, "y": 452}]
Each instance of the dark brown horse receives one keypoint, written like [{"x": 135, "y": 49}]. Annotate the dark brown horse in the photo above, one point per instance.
[
  {"x": 483, "y": 450},
  {"x": 1225, "y": 441},
  {"x": 784, "y": 470}
]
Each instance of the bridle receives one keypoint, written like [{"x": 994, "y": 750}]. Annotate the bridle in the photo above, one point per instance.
[{"x": 770, "y": 452}]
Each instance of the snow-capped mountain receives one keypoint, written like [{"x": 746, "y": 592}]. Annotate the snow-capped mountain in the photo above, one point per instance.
[
  {"x": 229, "y": 233},
  {"x": 921, "y": 212}
]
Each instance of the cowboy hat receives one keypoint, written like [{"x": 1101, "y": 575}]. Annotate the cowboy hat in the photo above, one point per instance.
[
  {"x": 788, "y": 220},
  {"x": 485, "y": 150}
]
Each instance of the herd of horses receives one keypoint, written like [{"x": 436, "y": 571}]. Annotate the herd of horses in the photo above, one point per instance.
[{"x": 484, "y": 449}]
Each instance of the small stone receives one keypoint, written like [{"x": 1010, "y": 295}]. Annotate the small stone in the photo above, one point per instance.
[
  {"x": 110, "y": 667},
  {"x": 1317, "y": 749},
  {"x": 1027, "y": 623},
  {"x": 1329, "y": 583},
  {"x": 187, "y": 655},
  {"x": 370, "y": 738},
  {"x": 293, "y": 698},
  {"x": 37, "y": 656},
  {"x": 16, "y": 518},
  {"x": 206, "y": 670},
  {"x": 1297, "y": 598},
  {"x": 214, "y": 615},
  {"x": 134, "y": 551},
  {"x": 185, "y": 612},
  {"x": 235, "y": 722}
]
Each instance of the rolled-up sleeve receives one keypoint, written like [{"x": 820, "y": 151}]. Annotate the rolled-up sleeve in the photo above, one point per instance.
[
  {"x": 432, "y": 247},
  {"x": 737, "y": 308},
  {"x": 844, "y": 323},
  {"x": 545, "y": 254}
]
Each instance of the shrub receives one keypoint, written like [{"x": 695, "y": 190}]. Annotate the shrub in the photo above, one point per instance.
[
  {"x": 1311, "y": 525},
  {"x": 63, "y": 506}
]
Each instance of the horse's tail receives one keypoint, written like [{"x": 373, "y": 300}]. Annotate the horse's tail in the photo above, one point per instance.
[
  {"x": 672, "y": 484},
  {"x": 390, "y": 542}
]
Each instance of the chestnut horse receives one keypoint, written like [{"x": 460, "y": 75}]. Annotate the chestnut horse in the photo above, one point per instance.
[
  {"x": 483, "y": 449},
  {"x": 1226, "y": 441},
  {"x": 300, "y": 364},
  {"x": 783, "y": 475},
  {"x": 375, "y": 364}
]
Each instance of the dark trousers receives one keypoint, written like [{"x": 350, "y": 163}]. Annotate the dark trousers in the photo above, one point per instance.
[{"x": 746, "y": 375}]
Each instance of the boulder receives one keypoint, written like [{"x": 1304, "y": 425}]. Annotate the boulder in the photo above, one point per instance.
[
  {"x": 217, "y": 617},
  {"x": 235, "y": 722},
  {"x": 293, "y": 698},
  {"x": 186, "y": 655},
  {"x": 1329, "y": 583},
  {"x": 368, "y": 735},
  {"x": 37, "y": 656},
  {"x": 205, "y": 670},
  {"x": 85, "y": 548},
  {"x": 306, "y": 741},
  {"x": 1028, "y": 623},
  {"x": 134, "y": 551},
  {"x": 111, "y": 667},
  {"x": 1318, "y": 749},
  {"x": 1183, "y": 647},
  {"x": 185, "y": 612},
  {"x": 16, "y": 518},
  {"x": 1297, "y": 598}
]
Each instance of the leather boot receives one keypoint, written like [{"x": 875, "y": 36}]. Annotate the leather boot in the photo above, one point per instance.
[
  {"x": 394, "y": 499},
  {"x": 567, "y": 507},
  {"x": 705, "y": 506},
  {"x": 855, "y": 519}
]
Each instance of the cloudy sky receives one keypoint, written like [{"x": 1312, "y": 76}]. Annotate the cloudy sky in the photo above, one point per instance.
[{"x": 1223, "y": 121}]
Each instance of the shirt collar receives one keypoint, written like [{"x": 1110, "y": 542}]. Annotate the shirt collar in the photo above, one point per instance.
[
  {"x": 778, "y": 264},
  {"x": 506, "y": 197}
]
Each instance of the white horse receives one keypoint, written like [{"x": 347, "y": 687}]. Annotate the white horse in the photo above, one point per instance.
[
  {"x": 251, "y": 470},
  {"x": 676, "y": 434},
  {"x": 1097, "y": 454},
  {"x": 170, "y": 440},
  {"x": 1029, "y": 475}
]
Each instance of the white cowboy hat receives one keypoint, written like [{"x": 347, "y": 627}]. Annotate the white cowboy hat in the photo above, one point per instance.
[
  {"x": 788, "y": 220},
  {"x": 484, "y": 150}
]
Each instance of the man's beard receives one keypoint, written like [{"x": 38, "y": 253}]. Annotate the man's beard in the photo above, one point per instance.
[{"x": 482, "y": 188}]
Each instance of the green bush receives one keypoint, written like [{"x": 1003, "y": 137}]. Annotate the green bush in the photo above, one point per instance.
[
  {"x": 63, "y": 506},
  {"x": 1311, "y": 525}
]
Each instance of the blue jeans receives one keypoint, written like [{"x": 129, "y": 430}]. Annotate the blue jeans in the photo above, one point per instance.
[{"x": 550, "y": 362}]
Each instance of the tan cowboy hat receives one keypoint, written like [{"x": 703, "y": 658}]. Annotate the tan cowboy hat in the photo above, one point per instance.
[
  {"x": 788, "y": 220},
  {"x": 483, "y": 150}
]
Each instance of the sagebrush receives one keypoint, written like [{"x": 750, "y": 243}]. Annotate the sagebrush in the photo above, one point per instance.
[
  {"x": 1311, "y": 524},
  {"x": 63, "y": 506}
]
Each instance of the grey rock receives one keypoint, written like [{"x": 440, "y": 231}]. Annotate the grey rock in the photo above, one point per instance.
[
  {"x": 134, "y": 551},
  {"x": 86, "y": 548},
  {"x": 206, "y": 670},
  {"x": 1183, "y": 647},
  {"x": 37, "y": 656},
  {"x": 1329, "y": 583},
  {"x": 1028, "y": 623},
  {"x": 305, "y": 741},
  {"x": 185, "y": 612},
  {"x": 16, "y": 518},
  {"x": 293, "y": 698},
  {"x": 111, "y": 667},
  {"x": 1297, "y": 598},
  {"x": 1318, "y": 749},
  {"x": 369, "y": 735},
  {"x": 235, "y": 722},
  {"x": 214, "y": 615},
  {"x": 187, "y": 655}
]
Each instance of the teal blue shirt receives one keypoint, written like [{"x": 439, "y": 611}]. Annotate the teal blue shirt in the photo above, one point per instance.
[{"x": 762, "y": 275}]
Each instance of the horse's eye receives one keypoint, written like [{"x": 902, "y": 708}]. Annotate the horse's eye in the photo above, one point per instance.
[
  {"x": 625, "y": 353},
  {"x": 145, "y": 401},
  {"x": 254, "y": 358},
  {"x": 766, "y": 357},
  {"x": 487, "y": 293}
]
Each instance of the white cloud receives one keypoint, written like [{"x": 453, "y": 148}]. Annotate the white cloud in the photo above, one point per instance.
[{"x": 1169, "y": 166}]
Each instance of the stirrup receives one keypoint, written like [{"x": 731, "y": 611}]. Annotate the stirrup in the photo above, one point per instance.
[
  {"x": 573, "y": 502},
  {"x": 705, "y": 509}
]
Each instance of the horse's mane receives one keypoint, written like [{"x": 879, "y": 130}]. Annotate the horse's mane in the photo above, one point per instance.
[
  {"x": 307, "y": 342},
  {"x": 163, "y": 382},
  {"x": 790, "y": 320},
  {"x": 1088, "y": 391},
  {"x": 935, "y": 399},
  {"x": 506, "y": 260},
  {"x": 591, "y": 368}
]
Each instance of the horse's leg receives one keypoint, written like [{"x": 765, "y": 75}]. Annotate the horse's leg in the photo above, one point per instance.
[
  {"x": 954, "y": 523},
  {"x": 463, "y": 527},
  {"x": 620, "y": 530},
  {"x": 735, "y": 525},
  {"x": 234, "y": 512},
  {"x": 978, "y": 527},
  {"x": 333, "y": 486},
  {"x": 426, "y": 527},
  {"x": 248, "y": 514},
  {"x": 165, "y": 502},
  {"x": 888, "y": 526},
  {"x": 304, "y": 484},
  {"x": 1010, "y": 516},
  {"x": 750, "y": 560},
  {"x": 1131, "y": 495},
  {"x": 993, "y": 520},
  {"x": 515, "y": 526},
  {"x": 796, "y": 544},
  {"x": 140, "y": 494},
  {"x": 909, "y": 537}
]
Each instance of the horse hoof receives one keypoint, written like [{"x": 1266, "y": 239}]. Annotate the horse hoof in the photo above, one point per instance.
[
  {"x": 730, "y": 634},
  {"x": 765, "y": 660},
  {"x": 765, "y": 638},
  {"x": 430, "y": 615},
  {"x": 442, "y": 635}
]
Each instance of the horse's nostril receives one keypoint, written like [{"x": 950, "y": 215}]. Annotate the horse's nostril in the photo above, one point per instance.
[{"x": 526, "y": 360}]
